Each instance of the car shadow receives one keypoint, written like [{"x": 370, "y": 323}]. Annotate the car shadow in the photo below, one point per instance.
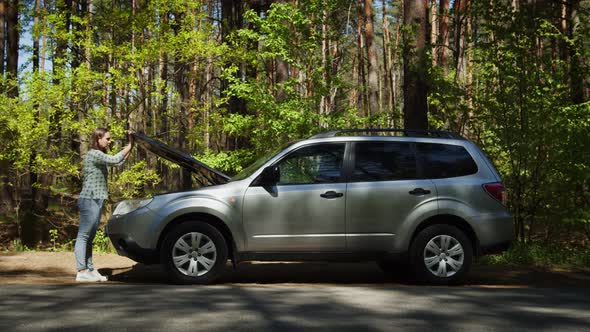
[
  {"x": 357, "y": 273},
  {"x": 272, "y": 273}
]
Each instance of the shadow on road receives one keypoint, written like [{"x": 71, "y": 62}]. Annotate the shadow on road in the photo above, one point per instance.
[{"x": 355, "y": 273}]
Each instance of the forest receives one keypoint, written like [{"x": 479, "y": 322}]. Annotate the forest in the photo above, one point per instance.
[{"x": 227, "y": 81}]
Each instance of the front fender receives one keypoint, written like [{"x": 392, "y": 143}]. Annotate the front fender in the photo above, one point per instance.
[{"x": 227, "y": 212}]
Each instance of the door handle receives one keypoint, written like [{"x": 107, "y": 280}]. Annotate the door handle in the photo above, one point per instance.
[
  {"x": 331, "y": 194},
  {"x": 419, "y": 191}
]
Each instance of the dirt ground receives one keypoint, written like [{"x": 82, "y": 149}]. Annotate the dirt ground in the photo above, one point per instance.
[{"x": 58, "y": 267}]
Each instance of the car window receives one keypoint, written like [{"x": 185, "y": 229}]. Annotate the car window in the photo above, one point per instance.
[
  {"x": 320, "y": 163},
  {"x": 246, "y": 172},
  {"x": 444, "y": 160},
  {"x": 384, "y": 161}
]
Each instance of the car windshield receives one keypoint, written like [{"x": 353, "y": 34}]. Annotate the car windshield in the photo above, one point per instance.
[{"x": 246, "y": 172}]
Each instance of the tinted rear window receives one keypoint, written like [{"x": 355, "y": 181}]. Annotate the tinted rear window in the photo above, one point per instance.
[
  {"x": 384, "y": 161},
  {"x": 444, "y": 161}
]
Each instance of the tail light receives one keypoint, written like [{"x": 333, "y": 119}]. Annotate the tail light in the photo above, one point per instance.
[{"x": 496, "y": 190}]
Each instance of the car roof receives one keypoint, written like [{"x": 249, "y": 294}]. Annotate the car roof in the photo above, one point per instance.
[{"x": 389, "y": 132}]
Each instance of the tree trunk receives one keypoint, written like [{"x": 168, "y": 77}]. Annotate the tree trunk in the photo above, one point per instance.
[
  {"x": 443, "y": 35},
  {"x": 373, "y": 67},
  {"x": 396, "y": 71},
  {"x": 36, "y": 13},
  {"x": 83, "y": 139},
  {"x": 415, "y": 65},
  {"x": 463, "y": 62},
  {"x": 7, "y": 186},
  {"x": 459, "y": 49},
  {"x": 432, "y": 24},
  {"x": 578, "y": 81},
  {"x": 232, "y": 12},
  {"x": 3, "y": 13},
  {"x": 388, "y": 91},
  {"x": 38, "y": 184},
  {"x": 12, "y": 28},
  {"x": 324, "y": 51},
  {"x": 362, "y": 101},
  {"x": 181, "y": 83}
]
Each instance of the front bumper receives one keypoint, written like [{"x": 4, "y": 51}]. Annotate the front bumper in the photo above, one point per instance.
[
  {"x": 127, "y": 247},
  {"x": 132, "y": 235}
]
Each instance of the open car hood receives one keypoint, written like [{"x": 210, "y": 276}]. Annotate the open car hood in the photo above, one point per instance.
[{"x": 204, "y": 174}]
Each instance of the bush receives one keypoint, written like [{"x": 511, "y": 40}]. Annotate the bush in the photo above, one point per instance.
[{"x": 545, "y": 255}]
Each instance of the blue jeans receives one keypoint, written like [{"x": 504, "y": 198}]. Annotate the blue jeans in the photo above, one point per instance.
[{"x": 89, "y": 221}]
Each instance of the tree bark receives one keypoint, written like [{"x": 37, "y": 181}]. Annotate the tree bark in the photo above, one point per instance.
[
  {"x": 3, "y": 13},
  {"x": 433, "y": 25},
  {"x": 415, "y": 63},
  {"x": 362, "y": 101},
  {"x": 373, "y": 67},
  {"x": 389, "y": 88},
  {"x": 578, "y": 81},
  {"x": 324, "y": 51},
  {"x": 459, "y": 9},
  {"x": 36, "y": 12},
  {"x": 443, "y": 34},
  {"x": 13, "y": 33},
  {"x": 181, "y": 83},
  {"x": 12, "y": 37},
  {"x": 232, "y": 12}
]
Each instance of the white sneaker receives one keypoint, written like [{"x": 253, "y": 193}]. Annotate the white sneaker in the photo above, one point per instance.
[
  {"x": 98, "y": 275},
  {"x": 86, "y": 276}
]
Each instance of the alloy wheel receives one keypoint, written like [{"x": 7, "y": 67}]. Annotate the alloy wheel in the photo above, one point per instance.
[
  {"x": 443, "y": 256},
  {"x": 194, "y": 254}
]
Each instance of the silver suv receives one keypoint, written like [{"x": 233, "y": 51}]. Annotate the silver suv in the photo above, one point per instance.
[{"x": 428, "y": 198}]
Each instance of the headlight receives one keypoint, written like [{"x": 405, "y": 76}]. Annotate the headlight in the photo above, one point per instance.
[{"x": 129, "y": 206}]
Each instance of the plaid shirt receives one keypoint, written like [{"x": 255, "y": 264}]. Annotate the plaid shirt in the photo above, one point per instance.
[{"x": 95, "y": 173}]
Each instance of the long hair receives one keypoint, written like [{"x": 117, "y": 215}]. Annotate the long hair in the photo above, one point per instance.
[{"x": 97, "y": 134}]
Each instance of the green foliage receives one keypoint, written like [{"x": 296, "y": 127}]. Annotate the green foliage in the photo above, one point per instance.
[
  {"x": 134, "y": 182},
  {"x": 230, "y": 162},
  {"x": 102, "y": 243},
  {"x": 541, "y": 255},
  {"x": 283, "y": 110},
  {"x": 516, "y": 102},
  {"x": 526, "y": 114},
  {"x": 18, "y": 246},
  {"x": 290, "y": 73},
  {"x": 53, "y": 237}
]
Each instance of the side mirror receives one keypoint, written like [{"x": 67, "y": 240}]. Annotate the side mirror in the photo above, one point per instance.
[{"x": 270, "y": 176}]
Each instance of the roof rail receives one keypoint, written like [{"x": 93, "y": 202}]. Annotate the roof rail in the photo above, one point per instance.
[{"x": 405, "y": 132}]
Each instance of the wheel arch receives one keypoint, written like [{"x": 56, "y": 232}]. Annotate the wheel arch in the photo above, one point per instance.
[
  {"x": 452, "y": 220},
  {"x": 206, "y": 218}
]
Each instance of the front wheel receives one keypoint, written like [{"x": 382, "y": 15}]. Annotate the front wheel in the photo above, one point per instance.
[
  {"x": 441, "y": 254},
  {"x": 194, "y": 253}
]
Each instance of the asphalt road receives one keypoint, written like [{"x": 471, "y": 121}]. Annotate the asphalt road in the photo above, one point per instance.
[
  {"x": 293, "y": 297},
  {"x": 281, "y": 307}
]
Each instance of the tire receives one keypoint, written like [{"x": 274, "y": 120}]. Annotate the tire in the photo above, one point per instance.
[
  {"x": 194, "y": 253},
  {"x": 441, "y": 255}
]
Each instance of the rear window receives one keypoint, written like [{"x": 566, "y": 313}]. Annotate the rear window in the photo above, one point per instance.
[
  {"x": 444, "y": 161},
  {"x": 384, "y": 161}
]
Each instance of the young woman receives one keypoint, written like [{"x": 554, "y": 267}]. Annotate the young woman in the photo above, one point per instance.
[{"x": 94, "y": 193}]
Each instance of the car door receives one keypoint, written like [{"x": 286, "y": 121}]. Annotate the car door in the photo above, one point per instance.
[
  {"x": 382, "y": 192},
  {"x": 305, "y": 210}
]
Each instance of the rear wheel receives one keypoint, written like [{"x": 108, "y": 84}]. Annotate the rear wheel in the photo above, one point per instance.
[
  {"x": 441, "y": 254},
  {"x": 194, "y": 253}
]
